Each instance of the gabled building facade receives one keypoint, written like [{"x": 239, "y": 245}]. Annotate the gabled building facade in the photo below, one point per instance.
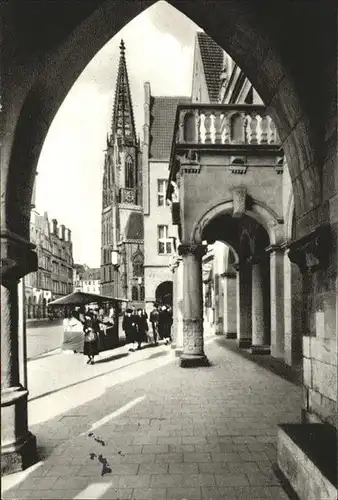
[
  {"x": 122, "y": 253},
  {"x": 159, "y": 232}
]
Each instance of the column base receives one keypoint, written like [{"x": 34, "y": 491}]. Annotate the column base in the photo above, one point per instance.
[
  {"x": 193, "y": 360},
  {"x": 19, "y": 456},
  {"x": 244, "y": 343},
  {"x": 260, "y": 349}
]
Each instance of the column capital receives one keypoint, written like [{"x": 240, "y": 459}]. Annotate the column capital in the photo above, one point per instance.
[
  {"x": 192, "y": 249},
  {"x": 18, "y": 257},
  {"x": 311, "y": 252}
]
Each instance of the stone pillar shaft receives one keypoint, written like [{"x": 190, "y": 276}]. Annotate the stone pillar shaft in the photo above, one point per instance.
[
  {"x": 244, "y": 320},
  {"x": 18, "y": 445},
  {"x": 229, "y": 306},
  {"x": 258, "y": 324},
  {"x": 193, "y": 345},
  {"x": 277, "y": 301},
  {"x": 9, "y": 339}
]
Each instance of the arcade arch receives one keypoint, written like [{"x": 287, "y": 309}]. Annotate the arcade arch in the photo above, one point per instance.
[{"x": 40, "y": 66}]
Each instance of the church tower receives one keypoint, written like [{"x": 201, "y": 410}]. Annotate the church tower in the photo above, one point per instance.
[{"x": 122, "y": 252}]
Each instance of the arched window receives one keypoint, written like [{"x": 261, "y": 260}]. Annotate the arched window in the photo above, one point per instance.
[
  {"x": 134, "y": 293},
  {"x": 141, "y": 292},
  {"x": 130, "y": 178}
]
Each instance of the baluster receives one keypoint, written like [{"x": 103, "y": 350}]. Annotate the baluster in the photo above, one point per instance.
[
  {"x": 272, "y": 132},
  {"x": 263, "y": 126},
  {"x": 202, "y": 128},
  {"x": 217, "y": 124},
  {"x": 225, "y": 130},
  {"x": 246, "y": 128},
  {"x": 253, "y": 130},
  {"x": 197, "y": 126},
  {"x": 207, "y": 124}
]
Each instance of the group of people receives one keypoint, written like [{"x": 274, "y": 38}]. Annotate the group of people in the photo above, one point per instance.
[{"x": 135, "y": 326}]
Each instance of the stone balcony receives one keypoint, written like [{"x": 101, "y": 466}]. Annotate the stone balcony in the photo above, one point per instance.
[
  {"x": 239, "y": 124},
  {"x": 234, "y": 130}
]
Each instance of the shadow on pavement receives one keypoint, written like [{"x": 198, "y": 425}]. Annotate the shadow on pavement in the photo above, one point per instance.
[
  {"x": 48, "y": 393},
  {"x": 274, "y": 365},
  {"x": 111, "y": 358}
]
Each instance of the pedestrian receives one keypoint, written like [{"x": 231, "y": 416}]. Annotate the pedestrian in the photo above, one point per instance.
[
  {"x": 164, "y": 323},
  {"x": 154, "y": 323},
  {"x": 129, "y": 325},
  {"x": 142, "y": 328},
  {"x": 91, "y": 330}
]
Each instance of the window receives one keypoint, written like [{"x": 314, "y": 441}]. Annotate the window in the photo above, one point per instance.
[
  {"x": 130, "y": 181},
  {"x": 161, "y": 192},
  {"x": 134, "y": 293},
  {"x": 164, "y": 242}
]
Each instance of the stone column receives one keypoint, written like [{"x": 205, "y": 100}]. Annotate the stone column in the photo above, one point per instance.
[
  {"x": 18, "y": 445},
  {"x": 292, "y": 312},
  {"x": 277, "y": 300},
  {"x": 193, "y": 345},
  {"x": 259, "y": 330},
  {"x": 229, "y": 305},
  {"x": 177, "y": 337},
  {"x": 243, "y": 304}
]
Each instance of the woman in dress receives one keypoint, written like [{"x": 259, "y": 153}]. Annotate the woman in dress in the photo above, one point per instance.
[{"x": 91, "y": 330}]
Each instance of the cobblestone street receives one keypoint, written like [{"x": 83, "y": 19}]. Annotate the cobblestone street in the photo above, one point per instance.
[{"x": 157, "y": 431}]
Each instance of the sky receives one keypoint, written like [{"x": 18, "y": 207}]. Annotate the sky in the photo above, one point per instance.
[{"x": 159, "y": 49}]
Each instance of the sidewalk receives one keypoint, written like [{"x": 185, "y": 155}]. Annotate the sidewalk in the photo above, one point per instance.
[{"x": 139, "y": 427}]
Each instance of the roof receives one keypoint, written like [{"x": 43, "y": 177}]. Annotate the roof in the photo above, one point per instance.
[
  {"x": 134, "y": 227},
  {"x": 213, "y": 62},
  {"x": 162, "y": 120},
  {"x": 91, "y": 274}
]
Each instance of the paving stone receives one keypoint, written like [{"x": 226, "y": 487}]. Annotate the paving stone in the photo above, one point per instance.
[
  {"x": 218, "y": 493},
  {"x": 195, "y": 480},
  {"x": 184, "y": 493},
  {"x": 231, "y": 479},
  {"x": 133, "y": 481},
  {"x": 115, "y": 494},
  {"x": 63, "y": 470},
  {"x": 169, "y": 440},
  {"x": 155, "y": 448},
  {"x": 38, "y": 483},
  {"x": 166, "y": 480},
  {"x": 153, "y": 468},
  {"x": 149, "y": 494},
  {"x": 213, "y": 467},
  {"x": 197, "y": 457},
  {"x": 169, "y": 457}
]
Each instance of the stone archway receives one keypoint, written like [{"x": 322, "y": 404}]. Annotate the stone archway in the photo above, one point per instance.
[
  {"x": 164, "y": 293},
  {"x": 45, "y": 47}
]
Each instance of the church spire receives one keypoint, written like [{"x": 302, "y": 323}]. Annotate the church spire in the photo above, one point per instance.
[{"x": 123, "y": 118}]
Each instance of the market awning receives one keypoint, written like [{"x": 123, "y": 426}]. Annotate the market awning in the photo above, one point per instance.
[{"x": 82, "y": 298}]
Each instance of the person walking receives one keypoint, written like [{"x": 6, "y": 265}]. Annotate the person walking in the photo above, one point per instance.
[
  {"x": 129, "y": 325},
  {"x": 165, "y": 322},
  {"x": 154, "y": 323},
  {"x": 142, "y": 328},
  {"x": 91, "y": 330}
]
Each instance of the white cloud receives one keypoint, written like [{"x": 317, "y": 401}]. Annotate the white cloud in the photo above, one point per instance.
[{"x": 71, "y": 162}]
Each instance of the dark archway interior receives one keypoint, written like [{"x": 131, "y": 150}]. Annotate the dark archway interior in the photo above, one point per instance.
[{"x": 164, "y": 293}]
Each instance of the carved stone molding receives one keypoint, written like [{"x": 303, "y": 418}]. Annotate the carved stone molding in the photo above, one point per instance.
[
  {"x": 193, "y": 336},
  {"x": 311, "y": 252},
  {"x": 192, "y": 249},
  {"x": 18, "y": 257},
  {"x": 239, "y": 200}
]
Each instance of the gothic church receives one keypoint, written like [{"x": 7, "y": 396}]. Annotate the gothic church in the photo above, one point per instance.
[{"x": 122, "y": 252}]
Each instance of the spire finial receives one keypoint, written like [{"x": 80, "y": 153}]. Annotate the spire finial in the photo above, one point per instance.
[{"x": 122, "y": 48}]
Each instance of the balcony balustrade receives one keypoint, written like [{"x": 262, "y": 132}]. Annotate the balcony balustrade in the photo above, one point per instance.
[{"x": 205, "y": 124}]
